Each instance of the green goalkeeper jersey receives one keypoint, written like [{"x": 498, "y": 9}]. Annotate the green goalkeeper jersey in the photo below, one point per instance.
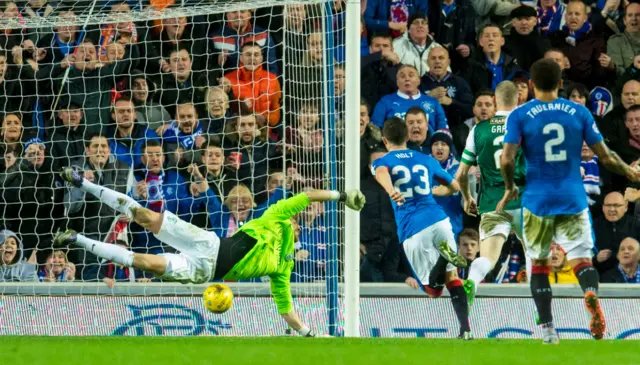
[
  {"x": 273, "y": 254},
  {"x": 484, "y": 148}
]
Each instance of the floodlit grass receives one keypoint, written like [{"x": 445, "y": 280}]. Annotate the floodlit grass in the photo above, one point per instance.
[{"x": 302, "y": 351}]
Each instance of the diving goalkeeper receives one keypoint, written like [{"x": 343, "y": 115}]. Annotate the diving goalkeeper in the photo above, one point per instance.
[{"x": 263, "y": 246}]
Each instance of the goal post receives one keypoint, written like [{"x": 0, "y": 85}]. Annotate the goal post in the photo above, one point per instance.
[{"x": 304, "y": 104}]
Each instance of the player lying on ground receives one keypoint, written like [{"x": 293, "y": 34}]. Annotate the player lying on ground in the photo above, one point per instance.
[
  {"x": 483, "y": 148},
  {"x": 554, "y": 203},
  {"x": 423, "y": 227},
  {"x": 262, "y": 247}
]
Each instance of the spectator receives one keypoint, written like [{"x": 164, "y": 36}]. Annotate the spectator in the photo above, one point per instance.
[
  {"x": 590, "y": 176},
  {"x": 631, "y": 73},
  {"x": 611, "y": 228},
  {"x": 442, "y": 150},
  {"x": 379, "y": 69},
  {"x": 226, "y": 219},
  {"x": 419, "y": 129},
  {"x": 521, "y": 80},
  {"x": 57, "y": 269},
  {"x": 306, "y": 141},
  {"x": 305, "y": 81},
  {"x": 293, "y": 36},
  {"x": 118, "y": 33},
  {"x": 256, "y": 87},
  {"x": 177, "y": 33},
  {"x": 561, "y": 271},
  {"x": 183, "y": 134},
  {"x": 148, "y": 112},
  {"x": 127, "y": 137},
  {"x": 68, "y": 139},
  {"x": 491, "y": 66},
  {"x": 11, "y": 145},
  {"x": 159, "y": 190},
  {"x": 64, "y": 39},
  {"x": 451, "y": 91},
  {"x": 613, "y": 123},
  {"x": 525, "y": 42},
  {"x": 83, "y": 85},
  {"x": 484, "y": 108},
  {"x": 370, "y": 139},
  {"x": 408, "y": 95},
  {"x": 468, "y": 247},
  {"x": 390, "y": 15},
  {"x": 629, "y": 148},
  {"x": 414, "y": 46},
  {"x": 248, "y": 154},
  {"x": 584, "y": 48},
  {"x": 627, "y": 270},
  {"x": 236, "y": 31},
  {"x": 314, "y": 240},
  {"x": 85, "y": 212},
  {"x": 561, "y": 59},
  {"x": 31, "y": 198},
  {"x": 217, "y": 111},
  {"x": 551, "y": 16},
  {"x": 12, "y": 265},
  {"x": 181, "y": 84},
  {"x": 578, "y": 93},
  {"x": 17, "y": 83},
  {"x": 379, "y": 245},
  {"x": 624, "y": 47},
  {"x": 454, "y": 26}
]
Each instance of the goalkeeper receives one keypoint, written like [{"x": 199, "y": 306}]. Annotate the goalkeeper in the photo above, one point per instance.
[{"x": 264, "y": 246}]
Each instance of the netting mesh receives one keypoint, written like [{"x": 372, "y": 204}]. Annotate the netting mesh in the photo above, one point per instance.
[{"x": 149, "y": 98}]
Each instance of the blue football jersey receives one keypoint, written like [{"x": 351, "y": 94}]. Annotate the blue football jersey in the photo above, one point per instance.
[
  {"x": 412, "y": 174},
  {"x": 551, "y": 135}
]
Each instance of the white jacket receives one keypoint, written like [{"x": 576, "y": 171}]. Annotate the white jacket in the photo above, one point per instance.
[{"x": 410, "y": 55}]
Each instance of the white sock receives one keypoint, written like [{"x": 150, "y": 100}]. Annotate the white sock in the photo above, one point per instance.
[
  {"x": 107, "y": 251},
  {"x": 115, "y": 200},
  {"x": 480, "y": 267}
]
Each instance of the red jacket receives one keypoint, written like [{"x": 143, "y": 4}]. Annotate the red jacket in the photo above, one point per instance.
[{"x": 260, "y": 89}]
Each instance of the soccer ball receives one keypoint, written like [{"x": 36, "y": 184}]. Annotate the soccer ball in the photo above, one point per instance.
[{"x": 218, "y": 298}]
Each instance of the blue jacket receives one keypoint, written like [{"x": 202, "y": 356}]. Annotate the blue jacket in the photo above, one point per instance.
[
  {"x": 397, "y": 104},
  {"x": 228, "y": 40},
  {"x": 174, "y": 135},
  {"x": 452, "y": 204},
  {"x": 177, "y": 200},
  {"x": 314, "y": 239},
  {"x": 378, "y": 13},
  {"x": 129, "y": 150},
  {"x": 219, "y": 214}
]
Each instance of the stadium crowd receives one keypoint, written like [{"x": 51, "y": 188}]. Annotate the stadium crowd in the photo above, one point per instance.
[{"x": 152, "y": 108}]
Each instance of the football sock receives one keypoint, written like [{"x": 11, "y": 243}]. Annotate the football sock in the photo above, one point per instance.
[
  {"x": 587, "y": 277},
  {"x": 460, "y": 305},
  {"x": 118, "y": 201},
  {"x": 541, "y": 292},
  {"x": 480, "y": 267},
  {"x": 107, "y": 251},
  {"x": 438, "y": 273}
]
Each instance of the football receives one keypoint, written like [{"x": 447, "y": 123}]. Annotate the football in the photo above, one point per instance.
[{"x": 218, "y": 298}]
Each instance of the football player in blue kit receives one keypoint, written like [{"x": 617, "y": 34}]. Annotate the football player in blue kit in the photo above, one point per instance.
[
  {"x": 423, "y": 227},
  {"x": 550, "y": 131}
]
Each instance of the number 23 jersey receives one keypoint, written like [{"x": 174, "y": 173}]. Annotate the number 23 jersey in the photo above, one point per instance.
[
  {"x": 551, "y": 135},
  {"x": 412, "y": 175}
]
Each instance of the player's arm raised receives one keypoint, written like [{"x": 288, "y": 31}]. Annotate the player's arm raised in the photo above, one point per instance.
[
  {"x": 384, "y": 179},
  {"x": 613, "y": 162},
  {"x": 508, "y": 169}
]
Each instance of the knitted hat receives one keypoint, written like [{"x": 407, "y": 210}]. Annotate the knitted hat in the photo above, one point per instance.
[
  {"x": 416, "y": 15},
  {"x": 442, "y": 135},
  {"x": 34, "y": 140}
]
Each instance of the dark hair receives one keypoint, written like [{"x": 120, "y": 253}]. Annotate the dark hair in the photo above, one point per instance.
[
  {"x": 557, "y": 50},
  {"x": 546, "y": 75},
  {"x": 582, "y": 90},
  {"x": 90, "y": 138},
  {"x": 249, "y": 44},
  {"x": 365, "y": 104},
  {"x": 211, "y": 142},
  {"x": 416, "y": 110},
  {"x": 177, "y": 50},
  {"x": 385, "y": 35},
  {"x": 471, "y": 233},
  {"x": 150, "y": 143},
  {"x": 376, "y": 149},
  {"x": 485, "y": 92},
  {"x": 395, "y": 131},
  {"x": 632, "y": 108},
  {"x": 490, "y": 25}
]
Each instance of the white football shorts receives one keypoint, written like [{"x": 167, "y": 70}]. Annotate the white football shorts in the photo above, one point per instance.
[{"x": 422, "y": 249}]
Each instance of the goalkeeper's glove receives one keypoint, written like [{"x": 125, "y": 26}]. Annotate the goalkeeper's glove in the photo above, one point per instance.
[{"x": 354, "y": 199}]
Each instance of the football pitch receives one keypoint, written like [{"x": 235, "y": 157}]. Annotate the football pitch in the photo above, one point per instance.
[{"x": 291, "y": 350}]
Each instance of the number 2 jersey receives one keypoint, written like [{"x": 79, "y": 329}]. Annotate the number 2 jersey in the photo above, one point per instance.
[
  {"x": 484, "y": 148},
  {"x": 551, "y": 135},
  {"x": 412, "y": 175}
]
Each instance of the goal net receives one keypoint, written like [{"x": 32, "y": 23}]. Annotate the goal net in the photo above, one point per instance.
[{"x": 149, "y": 98}]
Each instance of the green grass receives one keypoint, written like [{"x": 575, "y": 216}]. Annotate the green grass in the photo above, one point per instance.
[{"x": 303, "y": 351}]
